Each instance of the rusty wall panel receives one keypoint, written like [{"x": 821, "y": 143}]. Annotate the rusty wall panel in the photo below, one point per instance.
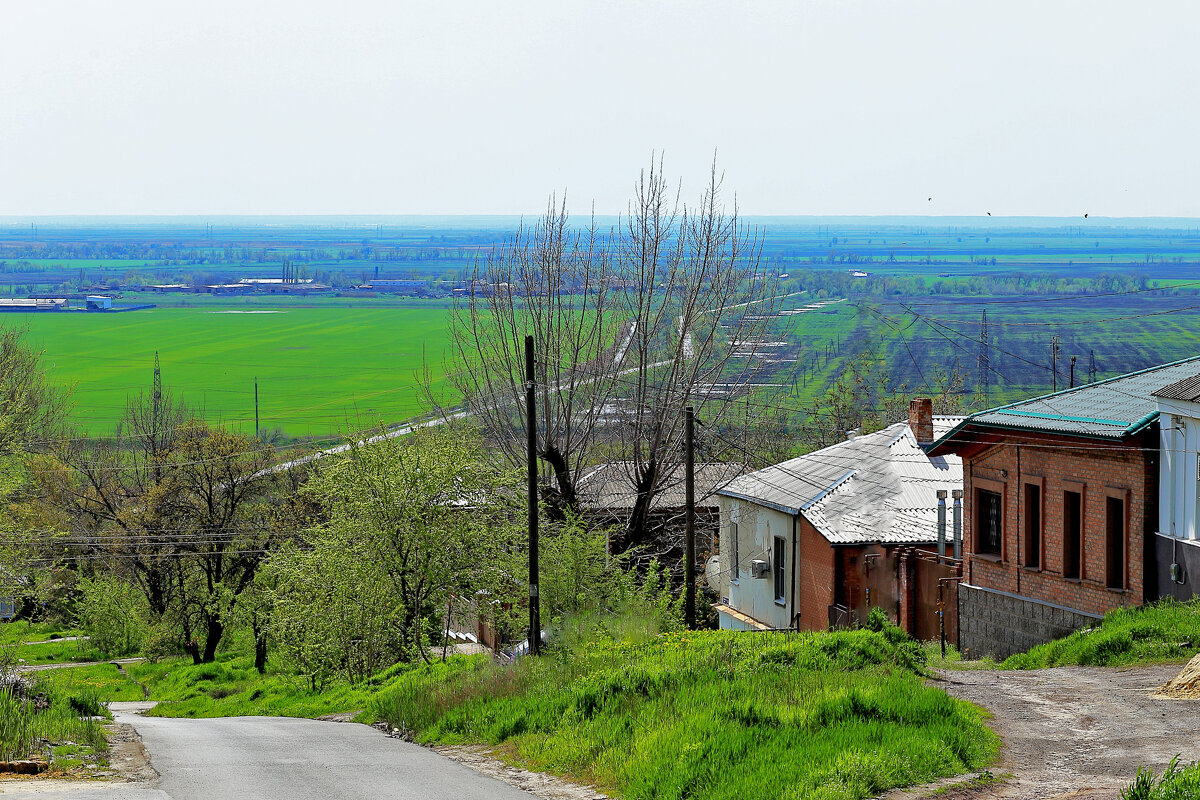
[{"x": 926, "y": 575}]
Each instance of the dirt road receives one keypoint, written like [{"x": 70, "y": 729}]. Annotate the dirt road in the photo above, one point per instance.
[{"x": 1079, "y": 732}]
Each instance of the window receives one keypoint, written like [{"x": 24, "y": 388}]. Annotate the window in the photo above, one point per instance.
[
  {"x": 733, "y": 551},
  {"x": 1114, "y": 561},
  {"x": 777, "y": 570},
  {"x": 988, "y": 515},
  {"x": 1033, "y": 525},
  {"x": 1072, "y": 534}
]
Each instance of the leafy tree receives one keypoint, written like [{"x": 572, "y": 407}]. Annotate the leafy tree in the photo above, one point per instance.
[
  {"x": 179, "y": 509},
  {"x": 416, "y": 519}
]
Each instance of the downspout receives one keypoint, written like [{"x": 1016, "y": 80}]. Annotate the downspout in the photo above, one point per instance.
[
  {"x": 795, "y": 576},
  {"x": 1020, "y": 527}
]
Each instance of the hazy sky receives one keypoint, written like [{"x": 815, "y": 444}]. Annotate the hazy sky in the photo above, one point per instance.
[{"x": 1055, "y": 108}]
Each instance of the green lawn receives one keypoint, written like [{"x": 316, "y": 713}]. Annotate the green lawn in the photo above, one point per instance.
[{"x": 321, "y": 370}]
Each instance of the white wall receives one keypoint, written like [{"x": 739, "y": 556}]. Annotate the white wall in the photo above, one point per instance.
[
  {"x": 1179, "y": 440},
  {"x": 757, "y": 526}
]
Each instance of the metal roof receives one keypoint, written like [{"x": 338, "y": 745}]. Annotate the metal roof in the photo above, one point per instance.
[
  {"x": 1111, "y": 409},
  {"x": 610, "y": 486},
  {"x": 881, "y": 487},
  {"x": 1186, "y": 389}
]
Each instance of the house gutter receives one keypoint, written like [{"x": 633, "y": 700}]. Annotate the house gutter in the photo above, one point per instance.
[{"x": 795, "y": 576}]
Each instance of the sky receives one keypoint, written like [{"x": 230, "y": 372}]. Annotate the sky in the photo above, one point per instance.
[{"x": 399, "y": 107}]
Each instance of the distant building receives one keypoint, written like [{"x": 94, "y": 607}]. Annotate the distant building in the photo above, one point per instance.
[
  {"x": 397, "y": 285},
  {"x": 99, "y": 302},
  {"x": 33, "y": 304}
]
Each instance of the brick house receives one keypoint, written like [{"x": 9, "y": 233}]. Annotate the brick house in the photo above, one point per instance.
[
  {"x": 816, "y": 540},
  {"x": 1061, "y": 509}
]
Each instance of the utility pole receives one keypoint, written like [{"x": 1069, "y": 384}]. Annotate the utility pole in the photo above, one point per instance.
[
  {"x": 1092, "y": 367},
  {"x": 1072, "y": 372},
  {"x": 535, "y": 617},
  {"x": 984, "y": 359},
  {"x": 256, "y": 407},
  {"x": 689, "y": 483},
  {"x": 1054, "y": 361}
]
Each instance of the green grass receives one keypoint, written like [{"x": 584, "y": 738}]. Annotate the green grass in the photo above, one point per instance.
[
  {"x": 954, "y": 659},
  {"x": 229, "y": 687},
  {"x": 1177, "y": 783},
  {"x": 22, "y": 631},
  {"x": 66, "y": 733},
  {"x": 1164, "y": 631},
  {"x": 706, "y": 715},
  {"x": 321, "y": 370}
]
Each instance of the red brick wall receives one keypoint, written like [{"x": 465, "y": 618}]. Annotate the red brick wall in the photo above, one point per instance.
[
  {"x": 818, "y": 574},
  {"x": 1061, "y": 464}
]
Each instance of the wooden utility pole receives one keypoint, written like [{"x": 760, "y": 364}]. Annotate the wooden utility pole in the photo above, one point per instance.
[
  {"x": 1072, "y": 372},
  {"x": 256, "y": 407},
  {"x": 535, "y": 617},
  {"x": 689, "y": 483}
]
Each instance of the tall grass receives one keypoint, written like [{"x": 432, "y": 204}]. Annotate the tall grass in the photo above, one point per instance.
[
  {"x": 720, "y": 714},
  {"x": 1164, "y": 631},
  {"x": 67, "y": 718},
  {"x": 1176, "y": 783}
]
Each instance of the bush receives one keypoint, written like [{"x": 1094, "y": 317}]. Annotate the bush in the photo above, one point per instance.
[
  {"x": 1177, "y": 783},
  {"x": 112, "y": 613}
]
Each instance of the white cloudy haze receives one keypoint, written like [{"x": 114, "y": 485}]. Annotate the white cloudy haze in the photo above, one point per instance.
[{"x": 1051, "y": 108}]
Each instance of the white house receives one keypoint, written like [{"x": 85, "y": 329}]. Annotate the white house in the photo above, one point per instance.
[
  {"x": 1176, "y": 546},
  {"x": 805, "y": 541}
]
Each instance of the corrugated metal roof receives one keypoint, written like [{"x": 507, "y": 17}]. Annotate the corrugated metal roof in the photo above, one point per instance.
[
  {"x": 880, "y": 487},
  {"x": 1111, "y": 409},
  {"x": 1186, "y": 389},
  {"x": 610, "y": 486}
]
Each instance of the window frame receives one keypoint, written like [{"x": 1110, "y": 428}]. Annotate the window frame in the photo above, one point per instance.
[
  {"x": 779, "y": 569},
  {"x": 978, "y": 486},
  {"x": 1080, "y": 489},
  {"x": 1038, "y": 550},
  {"x": 1122, "y": 496},
  {"x": 733, "y": 552}
]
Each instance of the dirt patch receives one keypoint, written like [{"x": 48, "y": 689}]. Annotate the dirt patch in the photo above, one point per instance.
[
  {"x": 341, "y": 716},
  {"x": 538, "y": 784},
  {"x": 1078, "y": 732},
  {"x": 1185, "y": 685},
  {"x": 127, "y": 757}
]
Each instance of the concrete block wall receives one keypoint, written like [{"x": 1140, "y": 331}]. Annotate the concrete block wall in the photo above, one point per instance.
[{"x": 1000, "y": 624}]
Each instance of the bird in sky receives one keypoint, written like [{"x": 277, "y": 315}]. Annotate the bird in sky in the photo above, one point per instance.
[
  {"x": 929, "y": 198},
  {"x": 1085, "y": 216},
  {"x": 989, "y": 213}
]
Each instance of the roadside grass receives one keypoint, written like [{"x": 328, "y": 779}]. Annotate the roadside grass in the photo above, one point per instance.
[
  {"x": 231, "y": 687},
  {"x": 1177, "y": 783},
  {"x": 1164, "y": 631},
  {"x": 104, "y": 679},
  {"x": 954, "y": 659},
  {"x": 720, "y": 714},
  {"x": 49, "y": 724},
  {"x": 55, "y": 652}
]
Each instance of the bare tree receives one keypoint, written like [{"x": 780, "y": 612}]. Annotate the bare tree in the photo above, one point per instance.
[
  {"x": 631, "y": 326},
  {"x": 554, "y": 283}
]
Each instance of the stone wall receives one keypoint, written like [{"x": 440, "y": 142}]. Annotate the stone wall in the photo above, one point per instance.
[
  {"x": 1000, "y": 624},
  {"x": 1184, "y": 552}
]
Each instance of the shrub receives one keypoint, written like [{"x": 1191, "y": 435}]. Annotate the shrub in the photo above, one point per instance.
[{"x": 113, "y": 615}]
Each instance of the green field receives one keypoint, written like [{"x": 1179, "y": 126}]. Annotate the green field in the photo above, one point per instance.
[{"x": 321, "y": 370}]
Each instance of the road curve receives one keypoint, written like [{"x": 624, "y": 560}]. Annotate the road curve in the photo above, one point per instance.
[{"x": 280, "y": 757}]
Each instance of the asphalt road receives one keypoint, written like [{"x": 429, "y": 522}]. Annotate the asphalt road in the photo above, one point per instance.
[{"x": 278, "y": 757}]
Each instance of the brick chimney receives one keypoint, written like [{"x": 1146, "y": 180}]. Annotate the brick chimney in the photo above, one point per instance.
[{"x": 920, "y": 420}]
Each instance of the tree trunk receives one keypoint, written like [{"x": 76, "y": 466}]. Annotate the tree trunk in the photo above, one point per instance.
[
  {"x": 216, "y": 629},
  {"x": 637, "y": 530},
  {"x": 260, "y": 649}
]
